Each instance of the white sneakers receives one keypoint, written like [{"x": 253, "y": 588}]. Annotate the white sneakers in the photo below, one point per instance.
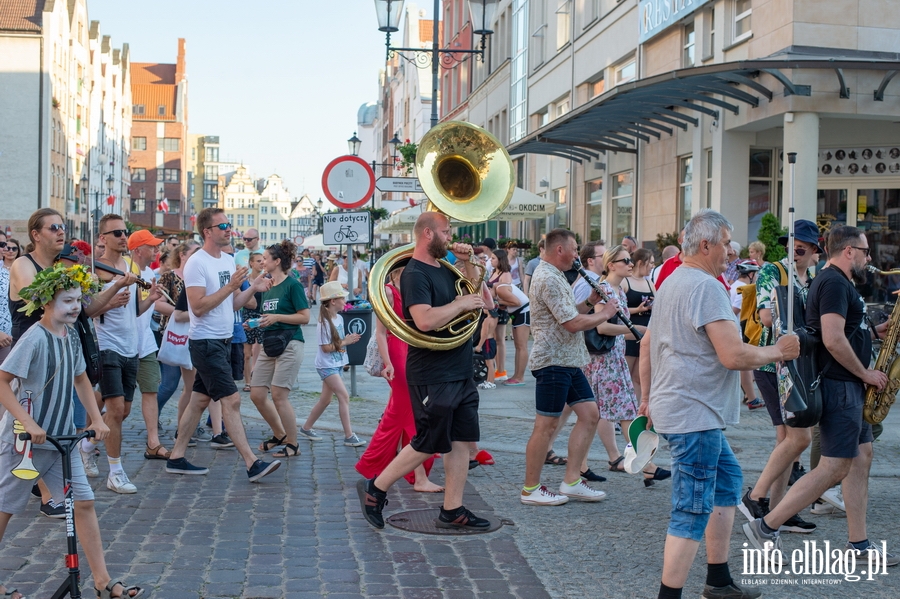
[
  {"x": 834, "y": 497},
  {"x": 118, "y": 482},
  {"x": 581, "y": 491},
  {"x": 544, "y": 496},
  {"x": 89, "y": 459}
]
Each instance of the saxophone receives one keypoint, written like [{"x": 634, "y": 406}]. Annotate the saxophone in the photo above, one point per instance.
[{"x": 877, "y": 403}]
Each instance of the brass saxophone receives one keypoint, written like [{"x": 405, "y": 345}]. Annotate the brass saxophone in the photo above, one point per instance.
[{"x": 877, "y": 403}]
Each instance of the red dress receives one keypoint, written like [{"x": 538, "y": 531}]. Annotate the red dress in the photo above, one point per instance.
[{"x": 397, "y": 426}]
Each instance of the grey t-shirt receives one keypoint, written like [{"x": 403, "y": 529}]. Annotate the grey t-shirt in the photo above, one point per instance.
[
  {"x": 690, "y": 388},
  {"x": 47, "y": 366}
]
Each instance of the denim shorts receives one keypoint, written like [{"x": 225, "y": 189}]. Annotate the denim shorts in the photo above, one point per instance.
[
  {"x": 705, "y": 474},
  {"x": 842, "y": 428},
  {"x": 558, "y": 386},
  {"x": 324, "y": 373}
]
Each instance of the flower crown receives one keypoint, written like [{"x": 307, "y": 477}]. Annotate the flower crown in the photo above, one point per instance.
[{"x": 59, "y": 278}]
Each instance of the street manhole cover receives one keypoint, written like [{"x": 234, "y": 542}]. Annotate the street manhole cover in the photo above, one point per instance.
[{"x": 423, "y": 521}]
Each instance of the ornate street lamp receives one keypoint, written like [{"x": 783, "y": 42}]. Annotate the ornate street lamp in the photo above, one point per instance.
[
  {"x": 353, "y": 144},
  {"x": 395, "y": 143}
]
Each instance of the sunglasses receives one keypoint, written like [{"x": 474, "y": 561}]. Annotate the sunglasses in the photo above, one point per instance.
[
  {"x": 2, "y": 245},
  {"x": 624, "y": 261},
  {"x": 249, "y": 239},
  {"x": 866, "y": 250},
  {"x": 221, "y": 227},
  {"x": 56, "y": 228},
  {"x": 117, "y": 232},
  {"x": 12, "y": 248}
]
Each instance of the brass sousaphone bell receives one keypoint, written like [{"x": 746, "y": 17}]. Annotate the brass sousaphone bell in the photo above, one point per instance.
[{"x": 468, "y": 176}]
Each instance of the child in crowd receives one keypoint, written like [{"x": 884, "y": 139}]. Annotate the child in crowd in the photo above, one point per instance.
[
  {"x": 330, "y": 361},
  {"x": 47, "y": 362}
]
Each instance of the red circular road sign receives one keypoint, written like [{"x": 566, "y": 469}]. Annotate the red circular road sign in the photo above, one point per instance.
[{"x": 348, "y": 182}]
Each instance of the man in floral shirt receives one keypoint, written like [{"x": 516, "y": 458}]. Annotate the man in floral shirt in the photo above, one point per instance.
[{"x": 789, "y": 442}]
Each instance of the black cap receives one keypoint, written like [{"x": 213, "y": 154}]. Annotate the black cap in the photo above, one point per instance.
[{"x": 489, "y": 243}]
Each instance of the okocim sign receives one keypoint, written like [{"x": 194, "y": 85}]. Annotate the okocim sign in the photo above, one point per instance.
[{"x": 655, "y": 16}]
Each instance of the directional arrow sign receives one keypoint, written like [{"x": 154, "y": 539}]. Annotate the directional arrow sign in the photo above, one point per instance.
[{"x": 408, "y": 184}]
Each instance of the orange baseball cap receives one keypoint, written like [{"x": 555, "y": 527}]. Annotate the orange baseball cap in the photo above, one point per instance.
[{"x": 142, "y": 237}]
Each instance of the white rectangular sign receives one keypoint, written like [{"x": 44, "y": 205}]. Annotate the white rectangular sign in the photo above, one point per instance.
[
  {"x": 408, "y": 184},
  {"x": 344, "y": 228}
]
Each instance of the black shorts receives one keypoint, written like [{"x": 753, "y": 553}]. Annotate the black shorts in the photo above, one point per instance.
[
  {"x": 119, "y": 375},
  {"x": 521, "y": 319},
  {"x": 212, "y": 360},
  {"x": 768, "y": 388},
  {"x": 489, "y": 349},
  {"x": 444, "y": 412},
  {"x": 237, "y": 361},
  {"x": 842, "y": 428}
]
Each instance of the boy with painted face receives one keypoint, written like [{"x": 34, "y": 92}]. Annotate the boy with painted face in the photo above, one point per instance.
[{"x": 47, "y": 361}]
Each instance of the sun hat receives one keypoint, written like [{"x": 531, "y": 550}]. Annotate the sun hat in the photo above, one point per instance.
[
  {"x": 806, "y": 231},
  {"x": 332, "y": 290},
  {"x": 643, "y": 446},
  {"x": 142, "y": 237}
]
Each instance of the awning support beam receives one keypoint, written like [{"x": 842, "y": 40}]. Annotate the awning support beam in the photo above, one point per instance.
[
  {"x": 587, "y": 144},
  {"x": 879, "y": 93},
  {"x": 790, "y": 88},
  {"x": 845, "y": 91}
]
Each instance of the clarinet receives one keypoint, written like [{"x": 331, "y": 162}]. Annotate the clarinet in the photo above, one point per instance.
[{"x": 623, "y": 316}]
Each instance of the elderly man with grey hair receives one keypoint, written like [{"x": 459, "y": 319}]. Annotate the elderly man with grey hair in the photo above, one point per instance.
[{"x": 690, "y": 387}]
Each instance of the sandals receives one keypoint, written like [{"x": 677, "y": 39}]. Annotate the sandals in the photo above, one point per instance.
[
  {"x": 614, "y": 465},
  {"x": 156, "y": 453},
  {"x": 555, "y": 460},
  {"x": 270, "y": 444},
  {"x": 288, "y": 451},
  {"x": 246, "y": 387},
  {"x": 126, "y": 592},
  {"x": 12, "y": 592}
]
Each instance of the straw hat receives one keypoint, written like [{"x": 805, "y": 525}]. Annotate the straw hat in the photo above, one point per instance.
[{"x": 331, "y": 290}]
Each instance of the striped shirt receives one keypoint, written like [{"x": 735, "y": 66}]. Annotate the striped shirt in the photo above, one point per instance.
[{"x": 47, "y": 366}]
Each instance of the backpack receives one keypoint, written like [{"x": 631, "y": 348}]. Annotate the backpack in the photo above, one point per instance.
[{"x": 750, "y": 323}]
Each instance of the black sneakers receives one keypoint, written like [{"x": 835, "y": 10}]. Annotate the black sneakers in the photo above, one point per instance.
[
  {"x": 753, "y": 509},
  {"x": 259, "y": 469},
  {"x": 53, "y": 510},
  {"x": 797, "y": 524},
  {"x": 732, "y": 591},
  {"x": 461, "y": 518},
  {"x": 797, "y": 471},
  {"x": 221, "y": 441},
  {"x": 182, "y": 466},
  {"x": 371, "y": 501}
]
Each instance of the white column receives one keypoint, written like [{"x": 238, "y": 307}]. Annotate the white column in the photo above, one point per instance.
[
  {"x": 801, "y": 135},
  {"x": 730, "y": 178}
]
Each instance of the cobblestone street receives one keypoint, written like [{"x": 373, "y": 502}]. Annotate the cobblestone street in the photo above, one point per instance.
[{"x": 299, "y": 532}]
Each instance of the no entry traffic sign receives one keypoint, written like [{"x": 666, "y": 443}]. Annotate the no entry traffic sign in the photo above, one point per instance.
[{"x": 348, "y": 182}]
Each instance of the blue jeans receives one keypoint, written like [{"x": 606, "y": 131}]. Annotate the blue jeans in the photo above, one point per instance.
[
  {"x": 169, "y": 377},
  {"x": 705, "y": 474}
]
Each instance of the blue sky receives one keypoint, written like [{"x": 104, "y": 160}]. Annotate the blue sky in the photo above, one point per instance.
[{"x": 279, "y": 81}]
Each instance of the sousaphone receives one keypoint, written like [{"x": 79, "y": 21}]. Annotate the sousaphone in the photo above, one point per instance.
[{"x": 468, "y": 176}]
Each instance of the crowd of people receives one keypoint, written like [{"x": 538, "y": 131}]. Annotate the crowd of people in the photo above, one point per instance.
[{"x": 620, "y": 339}]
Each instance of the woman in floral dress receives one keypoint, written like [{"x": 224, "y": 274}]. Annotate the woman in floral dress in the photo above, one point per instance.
[{"x": 609, "y": 375}]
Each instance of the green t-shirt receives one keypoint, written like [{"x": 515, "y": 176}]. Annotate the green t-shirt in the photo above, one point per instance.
[{"x": 288, "y": 297}]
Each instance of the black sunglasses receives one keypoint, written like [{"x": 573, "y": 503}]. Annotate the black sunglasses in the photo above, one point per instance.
[
  {"x": 2, "y": 245},
  {"x": 117, "y": 232},
  {"x": 866, "y": 250},
  {"x": 624, "y": 261},
  {"x": 12, "y": 248},
  {"x": 249, "y": 239},
  {"x": 221, "y": 226},
  {"x": 56, "y": 227},
  {"x": 799, "y": 251}
]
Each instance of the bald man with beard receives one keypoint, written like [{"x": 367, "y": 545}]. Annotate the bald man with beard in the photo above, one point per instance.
[{"x": 443, "y": 393}]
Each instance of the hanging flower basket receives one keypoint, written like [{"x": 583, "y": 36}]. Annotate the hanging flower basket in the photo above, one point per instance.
[{"x": 408, "y": 157}]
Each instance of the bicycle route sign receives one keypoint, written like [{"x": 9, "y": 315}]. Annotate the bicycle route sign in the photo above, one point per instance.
[
  {"x": 348, "y": 182},
  {"x": 345, "y": 228}
]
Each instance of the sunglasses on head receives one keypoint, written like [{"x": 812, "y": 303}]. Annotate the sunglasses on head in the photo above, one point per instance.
[
  {"x": 221, "y": 227},
  {"x": 117, "y": 232},
  {"x": 55, "y": 227},
  {"x": 624, "y": 261}
]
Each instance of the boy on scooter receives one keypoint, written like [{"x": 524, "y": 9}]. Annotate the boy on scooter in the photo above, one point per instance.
[{"x": 47, "y": 362}]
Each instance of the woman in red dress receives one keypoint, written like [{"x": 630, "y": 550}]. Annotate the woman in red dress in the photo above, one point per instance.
[{"x": 397, "y": 425}]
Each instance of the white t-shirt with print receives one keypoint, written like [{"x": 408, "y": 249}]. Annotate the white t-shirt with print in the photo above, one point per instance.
[
  {"x": 202, "y": 270},
  {"x": 336, "y": 359}
]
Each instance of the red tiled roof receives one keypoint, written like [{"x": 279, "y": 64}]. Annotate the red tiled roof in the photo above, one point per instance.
[
  {"x": 153, "y": 85},
  {"x": 151, "y": 73},
  {"x": 21, "y": 15}
]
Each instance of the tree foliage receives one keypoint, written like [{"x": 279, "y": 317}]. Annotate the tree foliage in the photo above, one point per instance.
[{"x": 769, "y": 232}]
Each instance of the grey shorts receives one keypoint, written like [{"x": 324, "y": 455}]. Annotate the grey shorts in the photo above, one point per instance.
[{"x": 14, "y": 492}]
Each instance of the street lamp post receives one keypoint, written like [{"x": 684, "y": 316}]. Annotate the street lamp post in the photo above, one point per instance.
[{"x": 482, "y": 13}]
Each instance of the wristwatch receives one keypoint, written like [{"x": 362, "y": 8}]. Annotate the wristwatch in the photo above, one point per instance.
[{"x": 587, "y": 302}]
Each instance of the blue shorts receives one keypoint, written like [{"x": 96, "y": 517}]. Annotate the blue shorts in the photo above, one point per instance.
[
  {"x": 324, "y": 373},
  {"x": 705, "y": 474},
  {"x": 558, "y": 386}
]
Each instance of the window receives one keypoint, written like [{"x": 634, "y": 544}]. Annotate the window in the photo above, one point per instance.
[
  {"x": 250, "y": 220},
  {"x": 709, "y": 178},
  {"x": 759, "y": 200},
  {"x": 138, "y": 143},
  {"x": 625, "y": 72},
  {"x": 685, "y": 189},
  {"x": 138, "y": 174},
  {"x": 742, "y": 12},
  {"x": 161, "y": 110},
  {"x": 283, "y": 223},
  {"x": 137, "y": 109},
  {"x": 241, "y": 203},
  {"x": 689, "y": 45},
  {"x": 211, "y": 172},
  {"x": 264, "y": 210},
  {"x": 264, "y": 236},
  {"x": 138, "y": 205},
  {"x": 594, "y": 194},
  {"x": 621, "y": 203},
  {"x": 251, "y": 203},
  {"x": 210, "y": 191},
  {"x": 169, "y": 144},
  {"x": 542, "y": 118},
  {"x": 171, "y": 175},
  {"x": 562, "y": 24},
  {"x": 263, "y": 222},
  {"x": 596, "y": 88},
  {"x": 562, "y": 108},
  {"x": 174, "y": 206},
  {"x": 562, "y": 208},
  {"x": 240, "y": 220},
  {"x": 518, "y": 66},
  {"x": 229, "y": 203},
  {"x": 211, "y": 154},
  {"x": 710, "y": 49}
]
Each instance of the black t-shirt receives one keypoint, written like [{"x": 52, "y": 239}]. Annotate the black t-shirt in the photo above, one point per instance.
[
  {"x": 571, "y": 275},
  {"x": 181, "y": 303},
  {"x": 424, "y": 284},
  {"x": 832, "y": 292}
]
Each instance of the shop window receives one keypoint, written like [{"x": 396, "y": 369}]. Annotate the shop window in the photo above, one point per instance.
[
  {"x": 622, "y": 204},
  {"x": 594, "y": 194},
  {"x": 685, "y": 188},
  {"x": 759, "y": 200},
  {"x": 562, "y": 207}
]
